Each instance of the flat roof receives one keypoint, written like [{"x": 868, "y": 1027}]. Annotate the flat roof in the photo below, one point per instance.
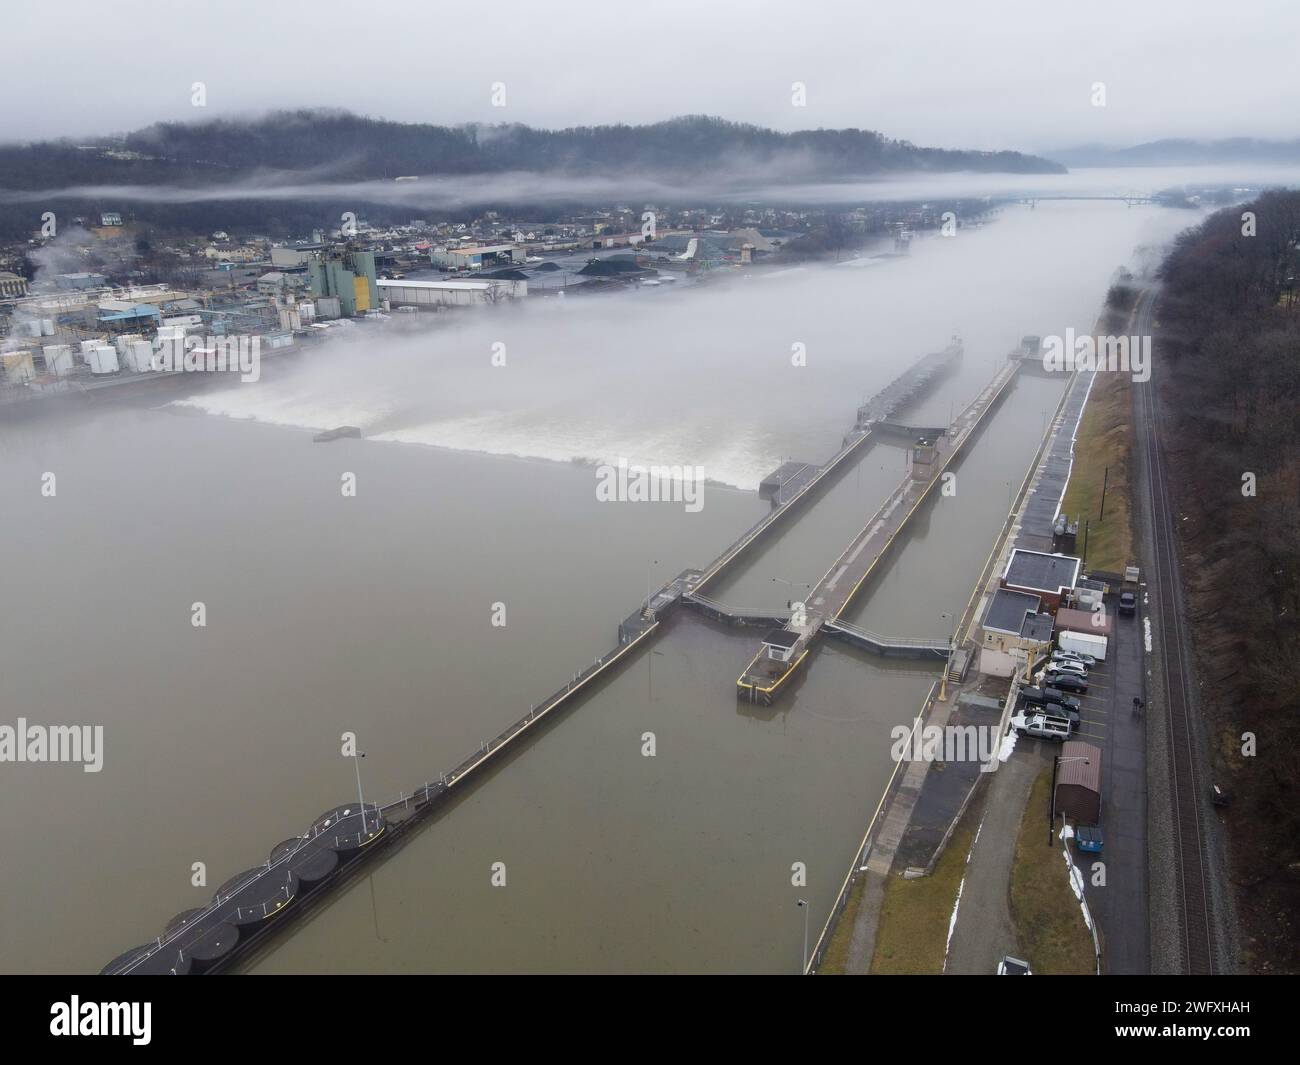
[
  {"x": 1008, "y": 609},
  {"x": 1098, "y": 623},
  {"x": 1040, "y": 571},
  {"x": 1037, "y": 627},
  {"x": 480, "y": 249},
  {"x": 477, "y": 285},
  {"x": 781, "y": 638}
]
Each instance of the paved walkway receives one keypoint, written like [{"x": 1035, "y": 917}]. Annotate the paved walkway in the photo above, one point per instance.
[{"x": 984, "y": 932}]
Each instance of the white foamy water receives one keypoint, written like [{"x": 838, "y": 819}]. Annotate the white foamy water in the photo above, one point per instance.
[{"x": 735, "y": 376}]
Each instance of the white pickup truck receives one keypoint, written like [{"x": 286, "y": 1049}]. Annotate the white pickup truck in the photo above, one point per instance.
[{"x": 1048, "y": 727}]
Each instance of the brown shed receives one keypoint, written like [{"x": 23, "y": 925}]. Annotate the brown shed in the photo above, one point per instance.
[
  {"x": 1068, "y": 620},
  {"x": 1078, "y": 782}
]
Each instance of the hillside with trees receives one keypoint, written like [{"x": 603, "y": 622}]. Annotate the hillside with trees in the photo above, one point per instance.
[
  {"x": 297, "y": 147},
  {"x": 353, "y": 147},
  {"x": 1229, "y": 334}
]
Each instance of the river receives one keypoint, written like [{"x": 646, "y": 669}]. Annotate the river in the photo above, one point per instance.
[{"x": 373, "y": 613}]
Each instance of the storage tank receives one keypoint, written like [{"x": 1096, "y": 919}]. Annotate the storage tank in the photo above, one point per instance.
[
  {"x": 123, "y": 343},
  {"x": 47, "y": 327},
  {"x": 86, "y": 345},
  {"x": 102, "y": 360},
  {"x": 58, "y": 359},
  {"x": 139, "y": 356},
  {"x": 18, "y": 366}
]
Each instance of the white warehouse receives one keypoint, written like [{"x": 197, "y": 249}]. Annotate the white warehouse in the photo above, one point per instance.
[{"x": 434, "y": 294}]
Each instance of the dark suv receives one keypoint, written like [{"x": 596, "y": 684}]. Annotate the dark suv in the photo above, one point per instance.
[
  {"x": 1043, "y": 696},
  {"x": 1067, "y": 682}
]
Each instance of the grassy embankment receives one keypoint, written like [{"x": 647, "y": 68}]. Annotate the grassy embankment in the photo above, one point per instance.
[
  {"x": 1049, "y": 923},
  {"x": 910, "y": 938},
  {"x": 1104, "y": 442}
]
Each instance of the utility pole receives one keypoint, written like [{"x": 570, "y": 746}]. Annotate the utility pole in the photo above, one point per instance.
[
  {"x": 1104, "y": 483},
  {"x": 803, "y": 905}
]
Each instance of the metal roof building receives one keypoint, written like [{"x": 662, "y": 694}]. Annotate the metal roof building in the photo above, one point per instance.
[{"x": 1078, "y": 782}]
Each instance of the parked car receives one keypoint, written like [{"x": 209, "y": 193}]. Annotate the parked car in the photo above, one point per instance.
[
  {"x": 1127, "y": 603},
  {"x": 1049, "y": 728},
  {"x": 1043, "y": 696},
  {"x": 1069, "y": 667},
  {"x": 1067, "y": 682},
  {"x": 1074, "y": 656},
  {"x": 1061, "y": 710}
]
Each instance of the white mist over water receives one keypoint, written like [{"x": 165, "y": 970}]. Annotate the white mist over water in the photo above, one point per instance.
[{"x": 703, "y": 375}]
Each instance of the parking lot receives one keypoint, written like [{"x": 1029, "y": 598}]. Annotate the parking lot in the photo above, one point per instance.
[{"x": 1106, "y": 719}]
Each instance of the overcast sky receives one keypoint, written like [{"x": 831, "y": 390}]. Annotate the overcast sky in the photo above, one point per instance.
[{"x": 948, "y": 73}]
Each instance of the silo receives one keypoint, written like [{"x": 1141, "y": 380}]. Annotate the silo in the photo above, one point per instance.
[
  {"x": 58, "y": 359},
  {"x": 102, "y": 360},
  {"x": 123, "y": 343},
  {"x": 139, "y": 356},
  {"x": 18, "y": 367}
]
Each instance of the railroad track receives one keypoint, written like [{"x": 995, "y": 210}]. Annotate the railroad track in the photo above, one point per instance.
[{"x": 1189, "y": 835}]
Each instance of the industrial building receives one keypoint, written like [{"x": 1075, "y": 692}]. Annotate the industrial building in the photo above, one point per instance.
[
  {"x": 477, "y": 257},
  {"x": 436, "y": 294},
  {"x": 346, "y": 275}
]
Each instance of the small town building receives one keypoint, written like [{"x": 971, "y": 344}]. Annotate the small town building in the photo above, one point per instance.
[
  {"x": 1097, "y": 622},
  {"x": 1014, "y": 631},
  {"x": 1047, "y": 576},
  {"x": 1078, "y": 783}
]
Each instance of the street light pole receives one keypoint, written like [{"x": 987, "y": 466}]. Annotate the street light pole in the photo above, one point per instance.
[
  {"x": 803, "y": 905},
  {"x": 356, "y": 764}
]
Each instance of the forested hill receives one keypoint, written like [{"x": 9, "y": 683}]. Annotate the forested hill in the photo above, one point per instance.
[
  {"x": 1229, "y": 372},
  {"x": 342, "y": 146}
]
